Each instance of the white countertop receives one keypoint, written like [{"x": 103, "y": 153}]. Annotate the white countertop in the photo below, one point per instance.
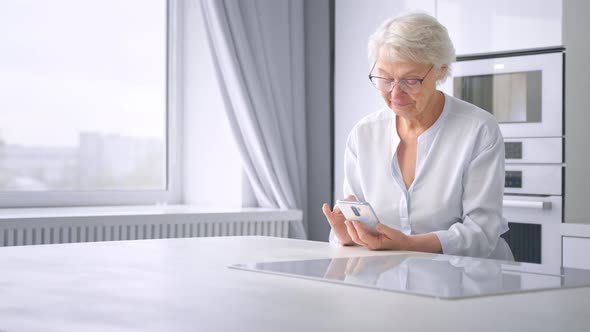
[
  {"x": 575, "y": 229},
  {"x": 185, "y": 285}
]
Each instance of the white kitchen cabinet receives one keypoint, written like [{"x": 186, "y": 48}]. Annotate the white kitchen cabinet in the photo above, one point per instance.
[
  {"x": 483, "y": 26},
  {"x": 575, "y": 252}
]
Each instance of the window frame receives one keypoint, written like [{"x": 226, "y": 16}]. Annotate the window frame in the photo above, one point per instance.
[{"x": 172, "y": 193}]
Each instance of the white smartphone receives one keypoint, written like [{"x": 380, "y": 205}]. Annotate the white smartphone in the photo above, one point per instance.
[{"x": 360, "y": 211}]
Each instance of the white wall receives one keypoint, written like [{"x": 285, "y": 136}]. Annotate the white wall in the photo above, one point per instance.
[
  {"x": 354, "y": 95},
  {"x": 212, "y": 165}
]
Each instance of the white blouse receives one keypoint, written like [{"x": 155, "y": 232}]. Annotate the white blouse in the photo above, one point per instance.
[{"x": 458, "y": 184}]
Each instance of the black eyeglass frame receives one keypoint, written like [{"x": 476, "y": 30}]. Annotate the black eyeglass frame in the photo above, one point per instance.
[{"x": 420, "y": 80}]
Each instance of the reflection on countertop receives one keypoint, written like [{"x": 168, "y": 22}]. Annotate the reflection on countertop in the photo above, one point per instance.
[{"x": 441, "y": 276}]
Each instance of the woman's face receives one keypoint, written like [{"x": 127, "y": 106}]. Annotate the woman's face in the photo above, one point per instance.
[{"x": 413, "y": 102}]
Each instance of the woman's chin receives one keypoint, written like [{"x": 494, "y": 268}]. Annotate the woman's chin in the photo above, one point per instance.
[{"x": 402, "y": 109}]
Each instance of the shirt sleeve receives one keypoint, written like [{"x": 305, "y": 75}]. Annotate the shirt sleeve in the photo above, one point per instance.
[
  {"x": 483, "y": 187},
  {"x": 352, "y": 182}
]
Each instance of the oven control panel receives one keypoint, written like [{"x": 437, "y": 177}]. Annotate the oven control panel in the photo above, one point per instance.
[
  {"x": 513, "y": 179},
  {"x": 513, "y": 150}
]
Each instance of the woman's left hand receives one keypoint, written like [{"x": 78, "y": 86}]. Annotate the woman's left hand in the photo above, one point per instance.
[{"x": 388, "y": 238}]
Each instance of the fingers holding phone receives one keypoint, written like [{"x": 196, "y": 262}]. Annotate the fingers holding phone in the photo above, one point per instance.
[
  {"x": 336, "y": 220},
  {"x": 361, "y": 212},
  {"x": 361, "y": 222}
]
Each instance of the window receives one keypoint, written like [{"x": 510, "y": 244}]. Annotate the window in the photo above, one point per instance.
[{"x": 84, "y": 102}]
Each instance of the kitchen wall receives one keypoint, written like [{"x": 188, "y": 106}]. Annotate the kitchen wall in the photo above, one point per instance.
[
  {"x": 354, "y": 96},
  {"x": 211, "y": 160},
  {"x": 577, "y": 110},
  {"x": 319, "y": 116}
]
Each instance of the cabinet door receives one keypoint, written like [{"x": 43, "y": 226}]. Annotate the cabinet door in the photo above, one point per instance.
[
  {"x": 575, "y": 252},
  {"x": 483, "y": 26}
]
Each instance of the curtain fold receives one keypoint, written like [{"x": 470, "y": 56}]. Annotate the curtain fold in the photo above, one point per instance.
[{"x": 257, "y": 49}]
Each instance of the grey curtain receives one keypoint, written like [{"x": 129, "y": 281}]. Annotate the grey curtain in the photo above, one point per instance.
[{"x": 257, "y": 48}]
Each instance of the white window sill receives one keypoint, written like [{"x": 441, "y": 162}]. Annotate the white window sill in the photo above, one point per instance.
[{"x": 170, "y": 211}]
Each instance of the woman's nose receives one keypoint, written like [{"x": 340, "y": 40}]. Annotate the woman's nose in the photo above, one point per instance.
[{"x": 397, "y": 90}]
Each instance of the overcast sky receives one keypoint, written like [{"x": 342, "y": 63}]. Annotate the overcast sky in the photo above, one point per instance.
[{"x": 68, "y": 66}]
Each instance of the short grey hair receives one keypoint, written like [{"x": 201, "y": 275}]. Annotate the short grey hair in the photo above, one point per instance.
[{"x": 415, "y": 37}]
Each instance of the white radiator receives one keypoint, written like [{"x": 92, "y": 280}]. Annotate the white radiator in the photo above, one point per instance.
[{"x": 174, "y": 224}]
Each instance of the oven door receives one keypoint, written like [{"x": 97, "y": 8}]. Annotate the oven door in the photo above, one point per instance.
[
  {"x": 523, "y": 92},
  {"x": 534, "y": 234}
]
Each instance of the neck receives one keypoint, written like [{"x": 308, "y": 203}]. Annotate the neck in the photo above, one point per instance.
[{"x": 424, "y": 120}]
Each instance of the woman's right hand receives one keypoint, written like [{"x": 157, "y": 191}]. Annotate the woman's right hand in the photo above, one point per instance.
[{"x": 336, "y": 220}]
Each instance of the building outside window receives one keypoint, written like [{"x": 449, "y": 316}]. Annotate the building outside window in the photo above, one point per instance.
[{"x": 85, "y": 101}]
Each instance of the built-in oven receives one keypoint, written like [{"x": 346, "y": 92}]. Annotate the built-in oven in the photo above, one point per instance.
[
  {"x": 524, "y": 91},
  {"x": 533, "y": 206}
]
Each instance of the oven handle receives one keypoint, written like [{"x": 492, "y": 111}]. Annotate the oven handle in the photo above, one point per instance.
[{"x": 527, "y": 204}]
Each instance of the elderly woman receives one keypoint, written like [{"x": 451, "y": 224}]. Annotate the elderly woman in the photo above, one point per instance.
[{"x": 431, "y": 165}]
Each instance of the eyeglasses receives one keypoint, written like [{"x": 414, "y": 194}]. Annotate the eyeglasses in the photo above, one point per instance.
[{"x": 408, "y": 86}]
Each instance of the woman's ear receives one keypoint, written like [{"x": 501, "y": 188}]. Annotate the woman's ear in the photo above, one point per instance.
[{"x": 442, "y": 72}]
